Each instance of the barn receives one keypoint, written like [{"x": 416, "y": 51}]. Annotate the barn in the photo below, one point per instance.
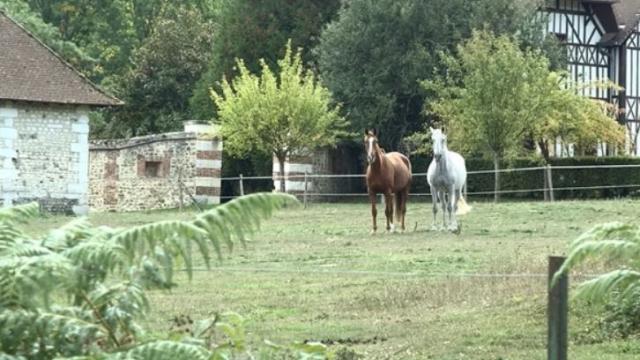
[
  {"x": 602, "y": 40},
  {"x": 44, "y": 123}
]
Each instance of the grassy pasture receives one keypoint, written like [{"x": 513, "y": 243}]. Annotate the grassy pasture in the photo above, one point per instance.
[{"x": 317, "y": 274}]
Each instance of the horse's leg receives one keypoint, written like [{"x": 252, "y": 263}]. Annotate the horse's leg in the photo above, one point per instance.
[
  {"x": 374, "y": 212},
  {"x": 397, "y": 198},
  {"x": 443, "y": 199},
  {"x": 434, "y": 198},
  {"x": 403, "y": 205},
  {"x": 453, "y": 222},
  {"x": 388, "y": 211}
]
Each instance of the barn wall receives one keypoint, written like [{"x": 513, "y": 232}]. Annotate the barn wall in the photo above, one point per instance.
[
  {"x": 154, "y": 172},
  {"x": 44, "y": 155}
]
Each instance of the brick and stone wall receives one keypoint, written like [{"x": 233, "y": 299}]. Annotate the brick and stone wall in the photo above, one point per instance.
[
  {"x": 156, "y": 171},
  {"x": 44, "y": 155}
]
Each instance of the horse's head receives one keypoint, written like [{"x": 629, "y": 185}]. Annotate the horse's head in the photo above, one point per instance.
[
  {"x": 439, "y": 141},
  {"x": 371, "y": 145}
]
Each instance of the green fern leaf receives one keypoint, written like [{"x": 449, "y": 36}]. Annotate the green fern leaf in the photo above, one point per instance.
[
  {"x": 599, "y": 288},
  {"x": 19, "y": 213},
  {"x": 164, "y": 350}
]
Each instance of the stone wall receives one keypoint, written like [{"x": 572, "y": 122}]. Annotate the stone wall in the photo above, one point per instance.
[
  {"x": 156, "y": 171},
  {"x": 44, "y": 155}
]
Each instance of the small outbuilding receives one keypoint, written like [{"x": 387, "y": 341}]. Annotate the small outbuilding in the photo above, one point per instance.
[{"x": 44, "y": 123}]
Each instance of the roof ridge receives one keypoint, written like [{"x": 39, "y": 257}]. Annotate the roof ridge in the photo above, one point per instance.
[{"x": 62, "y": 60}]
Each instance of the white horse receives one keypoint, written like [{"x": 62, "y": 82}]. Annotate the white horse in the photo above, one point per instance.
[{"x": 447, "y": 176}]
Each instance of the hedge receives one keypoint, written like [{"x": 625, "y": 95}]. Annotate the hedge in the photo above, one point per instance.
[{"x": 562, "y": 178}]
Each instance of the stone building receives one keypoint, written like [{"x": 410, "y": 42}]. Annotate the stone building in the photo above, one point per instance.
[
  {"x": 44, "y": 123},
  {"x": 155, "y": 171}
]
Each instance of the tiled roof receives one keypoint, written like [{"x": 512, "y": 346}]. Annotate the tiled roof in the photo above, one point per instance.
[
  {"x": 627, "y": 16},
  {"x": 30, "y": 71}
]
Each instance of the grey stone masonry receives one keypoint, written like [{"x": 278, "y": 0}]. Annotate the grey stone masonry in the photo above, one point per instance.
[
  {"x": 44, "y": 155},
  {"x": 156, "y": 171}
]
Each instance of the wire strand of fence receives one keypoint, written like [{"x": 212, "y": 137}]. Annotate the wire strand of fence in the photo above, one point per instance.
[
  {"x": 424, "y": 274},
  {"x": 473, "y": 172},
  {"x": 488, "y": 192}
]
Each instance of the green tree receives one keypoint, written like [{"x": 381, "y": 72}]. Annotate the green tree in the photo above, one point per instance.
[
  {"x": 80, "y": 290},
  {"x": 284, "y": 114},
  {"x": 103, "y": 29},
  {"x": 167, "y": 65},
  {"x": 253, "y": 30},
  {"x": 373, "y": 56},
  {"x": 574, "y": 119},
  {"x": 496, "y": 95},
  {"x": 489, "y": 97}
]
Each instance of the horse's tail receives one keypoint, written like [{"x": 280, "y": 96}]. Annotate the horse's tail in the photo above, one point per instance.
[
  {"x": 405, "y": 160},
  {"x": 463, "y": 207}
]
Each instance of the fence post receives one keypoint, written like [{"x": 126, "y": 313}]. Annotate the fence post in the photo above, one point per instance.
[
  {"x": 550, "y": 182},
  {"x": 557, "y": 312},
  {"x": 305, "y": 189},
  {"x": 241, "y": 186}
]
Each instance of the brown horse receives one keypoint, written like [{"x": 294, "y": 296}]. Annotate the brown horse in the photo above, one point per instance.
[{"x": 389, "y": 174}]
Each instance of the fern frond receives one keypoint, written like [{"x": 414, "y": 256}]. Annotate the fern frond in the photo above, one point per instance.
[
  {"x": 32, "y": 278},
  {"x": 141, "y": 239},
  {"x": 604, "y": 249},
  {"x": 164, "y": 350},
  {"x": 105, "y": 255},
  {"x": 19, "y": 213},
  {"x": 45, "y": 334},
  {"x": 609, "y": 231},
  {"x": 598, "y": 288},
  {"x": 128, "y": 297},
  {"x": 24, "y": 249},
  {"x": 239, "y": 217},
  {"x": 68, "y": 234},
  {"x": 9, "y": 234}
]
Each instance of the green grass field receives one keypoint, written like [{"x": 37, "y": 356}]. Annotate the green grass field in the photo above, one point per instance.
[{"x": 317, "y": 274}]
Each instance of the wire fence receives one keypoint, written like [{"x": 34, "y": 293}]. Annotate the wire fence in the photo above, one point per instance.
[
  {"x": 378, "y": 273},
  {"x": 548, "y": 182}
]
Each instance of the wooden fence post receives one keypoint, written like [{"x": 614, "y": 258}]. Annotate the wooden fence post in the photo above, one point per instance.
[
  {"x": 241, "y": 186},
  {"x": 557, "y": 312},
  {"x": 305, "y": 189},
  {"x": 550, "y": 182}
]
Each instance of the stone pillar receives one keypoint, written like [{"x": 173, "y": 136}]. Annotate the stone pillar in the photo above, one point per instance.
[
  {"x": 208, "y": 162},
  {"x": 79, "y": 189},
  {"x": 8, "y": 137},
  {"x": 294, "y": 170}
]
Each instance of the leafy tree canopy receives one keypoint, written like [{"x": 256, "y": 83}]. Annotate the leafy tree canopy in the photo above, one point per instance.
[
  {"x": 281, "y": 113},
  {"x": 166, "y": 67},
  {"x": 495, "y": 96},
  {"x": 374, "y": 54},
  {"x": 252, "y": 30}
]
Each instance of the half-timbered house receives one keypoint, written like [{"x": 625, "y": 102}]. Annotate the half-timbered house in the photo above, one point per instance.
[{"x": 602, "y": 39}]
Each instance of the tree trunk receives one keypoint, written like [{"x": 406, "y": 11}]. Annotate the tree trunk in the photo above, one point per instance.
[
  {"x": 281, "y": 160},
  {"x": 496, "y": 184},
  {"x": 544, "y": 149}
]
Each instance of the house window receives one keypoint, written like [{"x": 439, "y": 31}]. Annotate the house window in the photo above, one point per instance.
[{"x": 152, "y": 168}]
